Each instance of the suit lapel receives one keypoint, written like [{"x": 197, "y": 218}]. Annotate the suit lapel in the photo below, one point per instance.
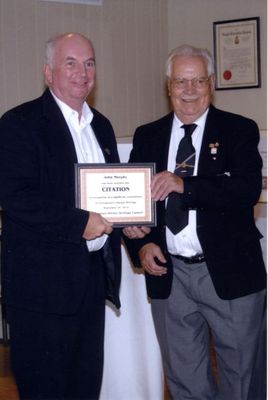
[
  {"x": 103, "y": 137},
  {"x": 212, "y": 145},
  {"x": 56, "y": 129},
  {"x": 162, "y": 140},
  {"x": 62, "y": 135}
]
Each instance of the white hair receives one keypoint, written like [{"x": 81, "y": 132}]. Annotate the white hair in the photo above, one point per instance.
[{"x": 190, "y": 51}]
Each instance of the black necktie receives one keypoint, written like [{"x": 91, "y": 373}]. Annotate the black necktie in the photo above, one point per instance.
[{"x": 176, "y": 216}]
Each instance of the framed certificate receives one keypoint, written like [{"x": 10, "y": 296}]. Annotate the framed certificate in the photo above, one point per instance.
[
  {"x": 121, "y": 193},
  {"x": 237, "y": 53}
]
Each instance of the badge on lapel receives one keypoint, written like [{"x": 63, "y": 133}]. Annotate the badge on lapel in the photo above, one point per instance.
[{"x": 214, "y": 149}]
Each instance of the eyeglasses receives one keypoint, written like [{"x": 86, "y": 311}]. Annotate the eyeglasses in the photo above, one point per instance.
[{"x": 198, "y": 83}]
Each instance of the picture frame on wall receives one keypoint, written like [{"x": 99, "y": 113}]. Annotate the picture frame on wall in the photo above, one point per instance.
[{"x": 237, "y": 53}]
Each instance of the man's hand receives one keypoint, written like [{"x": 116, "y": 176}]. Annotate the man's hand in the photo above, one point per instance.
[
  {"x": 96, "y": 226},
  {"x": 164, "y": 183},
  {"x": 136, "y": 232},
  {"x": 151, "y": 257}
]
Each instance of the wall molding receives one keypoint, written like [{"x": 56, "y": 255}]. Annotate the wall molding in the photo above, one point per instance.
[{"x": 87, "y": 2}]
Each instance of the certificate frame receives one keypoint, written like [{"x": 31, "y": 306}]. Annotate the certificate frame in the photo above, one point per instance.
[
  {"x": 120, "y": 192},
  {"x": 237, "y": 53}
]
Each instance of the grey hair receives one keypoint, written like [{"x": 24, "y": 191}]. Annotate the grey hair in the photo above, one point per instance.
[
  {"x": 50, "y": 49},
  {"x": 51, "y": 45},
  {"x": 190, "y": 51}
]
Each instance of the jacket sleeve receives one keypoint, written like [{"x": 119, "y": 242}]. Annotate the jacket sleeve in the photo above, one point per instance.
[{"x": 28, "y": 195}]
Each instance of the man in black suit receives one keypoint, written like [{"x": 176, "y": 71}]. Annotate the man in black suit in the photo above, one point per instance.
[
  {"x": 59, "y": 262},
  {"x": 209, "y": 277}
]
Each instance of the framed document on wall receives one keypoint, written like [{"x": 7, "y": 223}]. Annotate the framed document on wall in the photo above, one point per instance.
[{"x": 237, "y": 53}]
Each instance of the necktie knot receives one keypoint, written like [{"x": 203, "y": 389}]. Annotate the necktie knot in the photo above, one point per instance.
[{"x": 189, "y": 129}]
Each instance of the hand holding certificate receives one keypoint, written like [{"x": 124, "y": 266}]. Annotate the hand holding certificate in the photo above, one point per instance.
[{"x": 121, "y": 193}]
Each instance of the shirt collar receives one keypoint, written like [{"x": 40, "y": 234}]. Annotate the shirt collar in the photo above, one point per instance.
[
  {"x": 68, "y": 112},
  {"x": 199, "y": 121}
]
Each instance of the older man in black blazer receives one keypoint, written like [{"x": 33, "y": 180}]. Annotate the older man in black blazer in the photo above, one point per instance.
[
  {"x": 210, "y": 275},
  {"x": 59, "y": 262}
]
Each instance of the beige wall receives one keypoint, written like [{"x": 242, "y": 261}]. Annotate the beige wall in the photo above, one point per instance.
[
  {"x": 130, "y": 38},
  {"x": 191, "y": 21}
]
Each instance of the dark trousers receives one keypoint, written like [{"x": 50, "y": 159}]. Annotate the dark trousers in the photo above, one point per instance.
[{"x": 60, "y": 356}]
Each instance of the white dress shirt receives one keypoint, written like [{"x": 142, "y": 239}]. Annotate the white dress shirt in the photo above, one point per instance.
[
  {"x": 86, "y": 146},
  {"x": 185, "y": 243}
]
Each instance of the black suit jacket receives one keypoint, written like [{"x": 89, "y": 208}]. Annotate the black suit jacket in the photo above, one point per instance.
[
  {"x": 223, "y": 193},
  {"x": 44, "y": 257}
]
